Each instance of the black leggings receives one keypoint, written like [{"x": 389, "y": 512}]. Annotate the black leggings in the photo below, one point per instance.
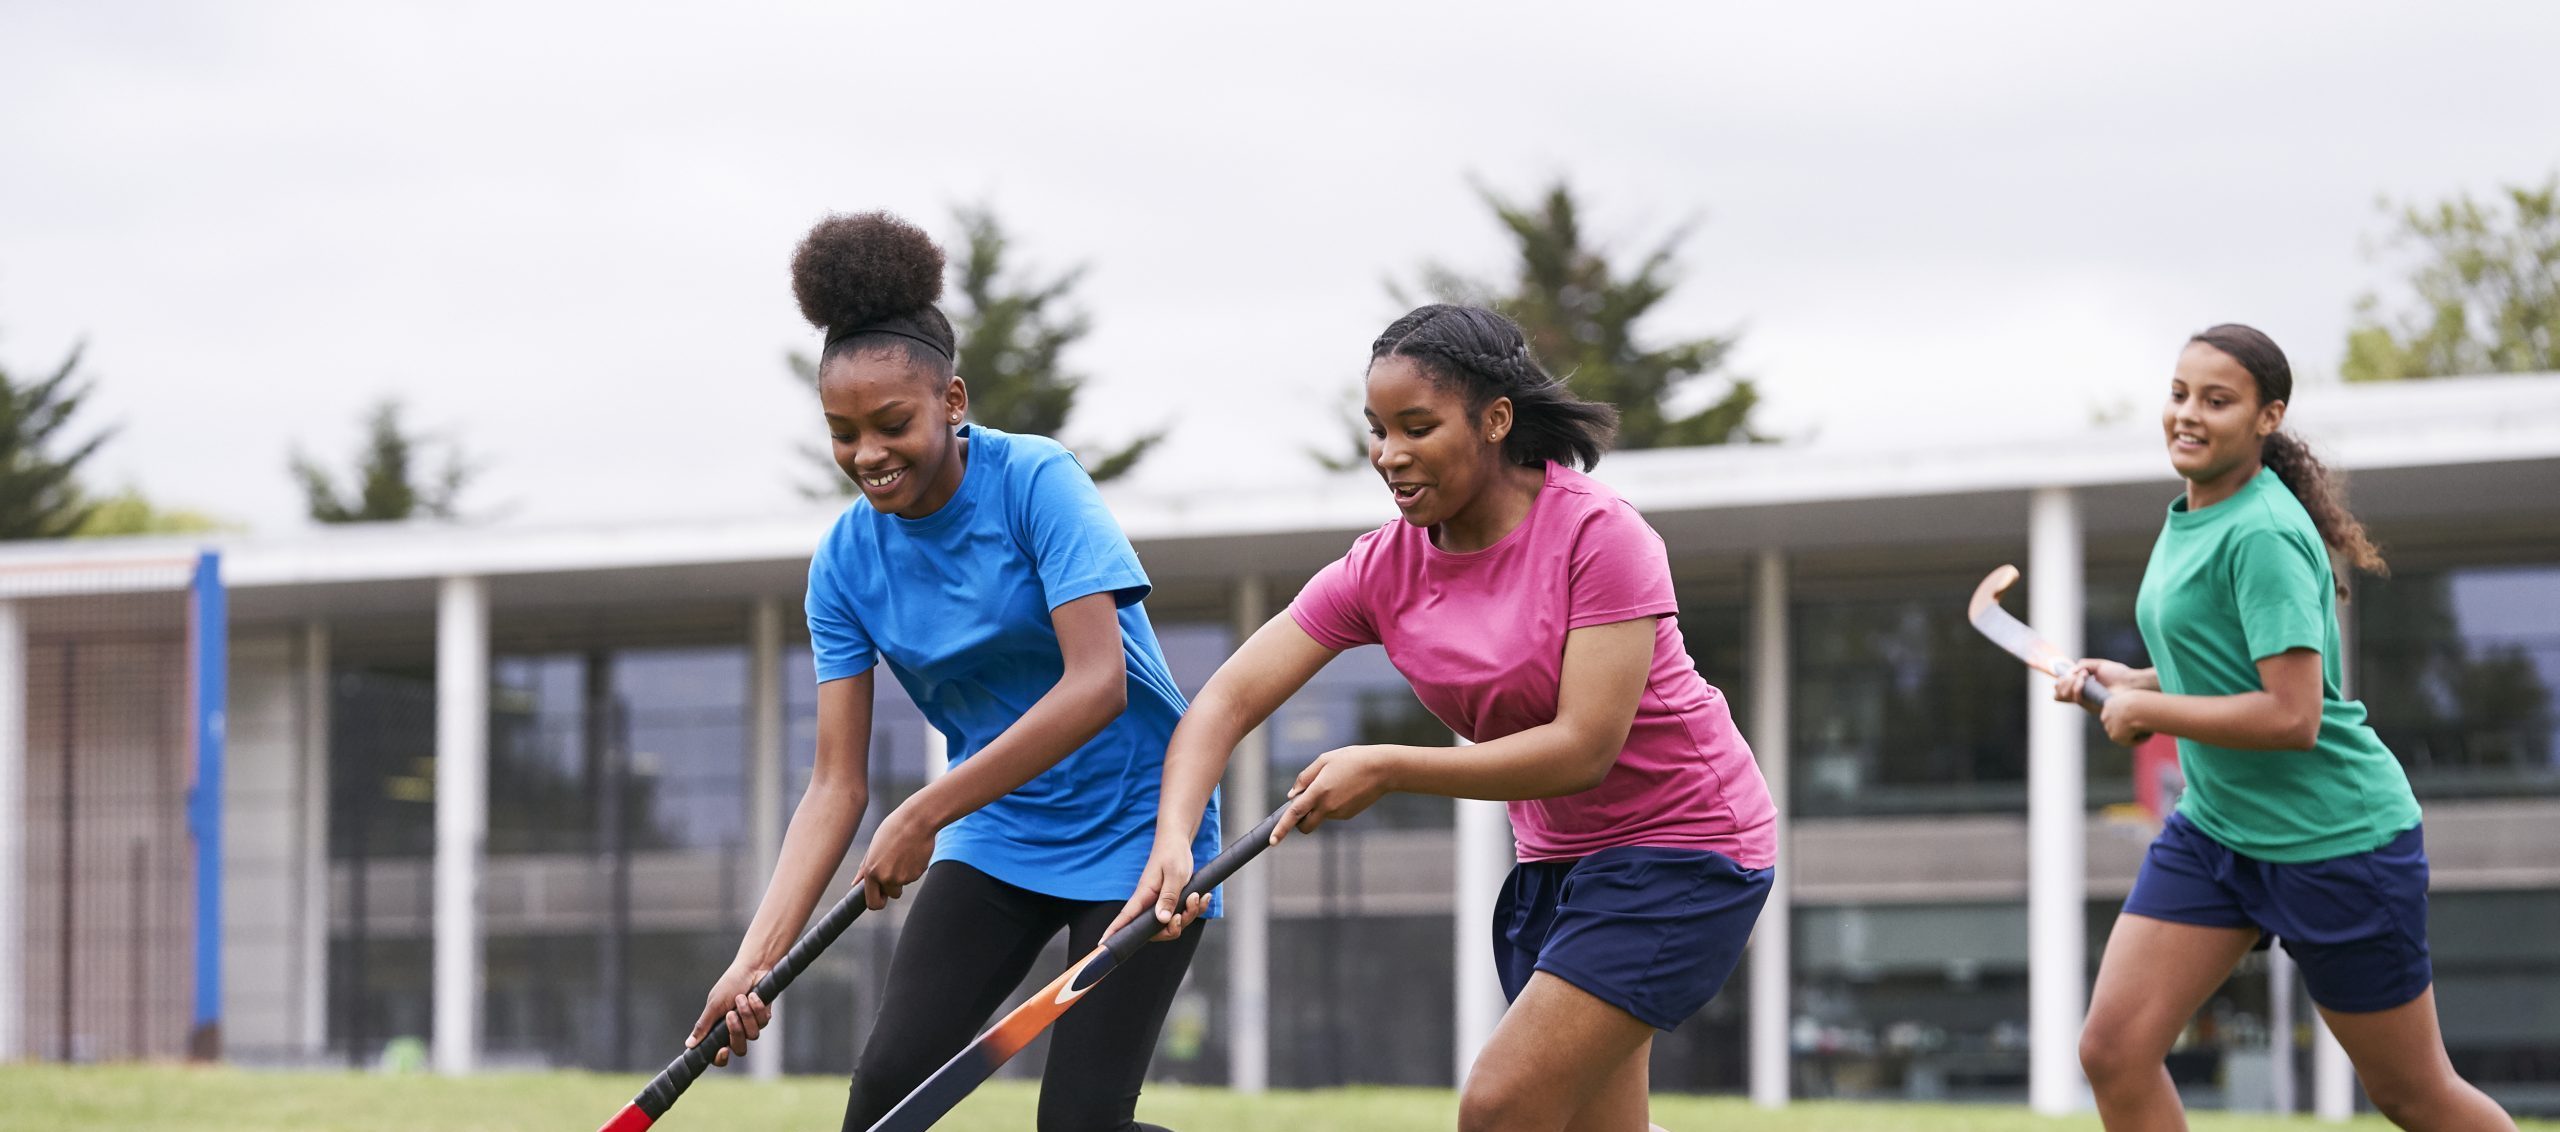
[{"x": 966, "y": 945}]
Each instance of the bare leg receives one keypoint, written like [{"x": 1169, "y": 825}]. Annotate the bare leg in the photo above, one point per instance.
[
  {"x": 2154, "y": 977},
  {"x": 1561, "y": 1059},
  {"x": 2399, "y": 1055}
]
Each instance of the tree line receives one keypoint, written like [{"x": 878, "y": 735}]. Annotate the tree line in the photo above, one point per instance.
[{"x": 2481, "y": 279}]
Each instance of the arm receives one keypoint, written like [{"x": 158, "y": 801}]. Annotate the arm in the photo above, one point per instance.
[
  {"x": 822, "y": 826},
  {"x": 1274, "y": 663},
  {"x": 1604, "y": 676},
  {"x": 2284, "y": 716},
  {"x": 1092, "y": 692}
]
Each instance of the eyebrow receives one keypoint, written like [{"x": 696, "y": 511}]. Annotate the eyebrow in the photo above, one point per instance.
[{"x": 875, "y": 412}]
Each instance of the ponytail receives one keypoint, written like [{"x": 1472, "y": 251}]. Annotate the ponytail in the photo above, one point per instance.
[{"x": 2322, "y": 492}]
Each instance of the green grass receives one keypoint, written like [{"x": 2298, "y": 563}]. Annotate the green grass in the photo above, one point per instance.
[{"x": 133, "y": 1099}]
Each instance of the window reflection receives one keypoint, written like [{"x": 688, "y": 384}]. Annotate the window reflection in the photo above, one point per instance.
[
  {"x": 1900, "y": 708},
  {"x": 2458, "y": 668}
]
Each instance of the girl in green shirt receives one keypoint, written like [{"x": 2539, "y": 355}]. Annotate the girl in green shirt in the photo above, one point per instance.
[{"x": 2297, "y": 824}]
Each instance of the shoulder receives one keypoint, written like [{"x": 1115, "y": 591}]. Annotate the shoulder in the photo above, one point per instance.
[
  {"x": 846, "y": 541},
  {"x": 2273, "y": 514},
  {"x": 1022, "y": 448},
  {"x": 1021, "y": 457},
  {"x": 853, "y": 526},
  {"x": 1591, "y": 506},
  {"x": 1395, "y": 538}
]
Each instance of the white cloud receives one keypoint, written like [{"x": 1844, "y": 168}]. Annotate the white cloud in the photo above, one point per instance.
[{"x": 560, "y": 230}]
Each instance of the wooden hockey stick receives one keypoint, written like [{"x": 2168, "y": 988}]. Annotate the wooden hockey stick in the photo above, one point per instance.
[
  {"x": 971, "y": 1067},
  {"x": 2020, "y": 640}
]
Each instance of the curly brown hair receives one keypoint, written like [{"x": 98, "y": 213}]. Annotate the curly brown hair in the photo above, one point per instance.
[
  {"x": 2322, "y": 490},
  {"x": 870, "y": 281}
]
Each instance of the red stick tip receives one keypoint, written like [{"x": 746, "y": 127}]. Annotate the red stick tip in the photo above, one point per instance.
[{"x": 630, "y": 1119}]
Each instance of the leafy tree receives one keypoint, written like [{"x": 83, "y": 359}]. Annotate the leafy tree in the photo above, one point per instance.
[
  {"x": 1014, "y": 331},
  {"x": 127, "y": 512},
  {"x": 386, "y": 478},
  {"x": 1580, "y": 310},
  {"x": 2487, "y": 288},
  {"x": 39, "y": 497}
]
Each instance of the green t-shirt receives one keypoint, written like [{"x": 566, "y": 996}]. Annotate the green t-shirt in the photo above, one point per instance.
[{"x": 2228, "y": 586}]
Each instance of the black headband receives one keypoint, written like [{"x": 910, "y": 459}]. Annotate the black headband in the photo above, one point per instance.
[{"x": 892, "y": 327}]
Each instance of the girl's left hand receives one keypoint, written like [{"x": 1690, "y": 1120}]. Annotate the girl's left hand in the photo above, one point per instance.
[
  {"x": 1339, "y": 784},
  {"x": 897, "y": 855},
  {"x": 2124, "y": 705}
]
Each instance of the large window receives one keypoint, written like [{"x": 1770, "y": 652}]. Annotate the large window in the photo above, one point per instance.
[
  {"x": 2498, "y": 992},
  {"x": 1899, "y": 707},
  {"x": 1917, "y": 1002},
  {"x": 2459, "y": 668}
]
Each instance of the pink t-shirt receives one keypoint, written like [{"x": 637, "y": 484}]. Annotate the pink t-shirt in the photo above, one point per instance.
[{"x": 1481, "y": 637}]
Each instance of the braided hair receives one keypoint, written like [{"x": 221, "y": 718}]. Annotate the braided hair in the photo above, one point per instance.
[
  {"x": 869, "y": 280},
  {"x": 1485, "y": 356},
  {"x": 2322, "y": 491}
]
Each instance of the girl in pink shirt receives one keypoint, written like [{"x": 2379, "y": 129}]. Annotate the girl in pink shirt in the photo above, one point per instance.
[{"x": 1532, "y": 611}]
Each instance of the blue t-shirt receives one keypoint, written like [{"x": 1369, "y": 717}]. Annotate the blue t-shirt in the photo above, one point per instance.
[{"x": 958, "y": 604}]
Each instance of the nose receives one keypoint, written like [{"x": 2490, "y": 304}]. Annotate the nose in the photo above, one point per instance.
[
  {"x": 867, "y": 453},
  {"x": 1385, "y": 453}
]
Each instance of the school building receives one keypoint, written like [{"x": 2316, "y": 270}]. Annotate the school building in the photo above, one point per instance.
[{"x": 484, "y": 797}]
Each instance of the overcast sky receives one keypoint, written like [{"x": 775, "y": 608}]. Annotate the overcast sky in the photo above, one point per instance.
[{"x": 560, "y": 232}]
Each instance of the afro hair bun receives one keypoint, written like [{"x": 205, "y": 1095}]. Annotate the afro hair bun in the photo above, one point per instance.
[{"x": 854, "y": 269}]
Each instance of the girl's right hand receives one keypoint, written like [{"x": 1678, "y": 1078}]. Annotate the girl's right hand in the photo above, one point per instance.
[
  {"x": 2110, "y": 675},
  {"x": 734, "y": 998},
  {"x": 1159, "y": 890}
]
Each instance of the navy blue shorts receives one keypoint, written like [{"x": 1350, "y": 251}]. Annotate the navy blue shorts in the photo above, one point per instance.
[
  {"x": 2356, "y": 925},
  {"x": 1653, "y": 932}
]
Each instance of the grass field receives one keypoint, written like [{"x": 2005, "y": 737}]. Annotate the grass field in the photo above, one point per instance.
[{"x": 135, "y": 1099}]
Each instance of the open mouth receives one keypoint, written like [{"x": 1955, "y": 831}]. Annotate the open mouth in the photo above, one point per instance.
[
  {"x": 1406, "y": 493},
  {"x": 882, "y": 482},
  {"x": 2187, "y": 441}
]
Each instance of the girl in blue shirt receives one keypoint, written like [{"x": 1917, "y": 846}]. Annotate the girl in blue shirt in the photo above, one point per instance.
[{"x": 984, "y": 571}]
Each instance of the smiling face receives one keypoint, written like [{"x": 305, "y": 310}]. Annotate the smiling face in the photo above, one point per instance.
[
  {"x": 891, "y": 422},
  {"x": 1435, "y": 457},
  {"x": 2214, "y": 421}
]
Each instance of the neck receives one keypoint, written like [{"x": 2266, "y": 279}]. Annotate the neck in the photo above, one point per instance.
[
  {"x": 1494, "y": 512},
  {"x": 2205, "y": 493}
]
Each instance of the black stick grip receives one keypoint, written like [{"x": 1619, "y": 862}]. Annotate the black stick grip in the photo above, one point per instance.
[
  {"x": 1137, "y": 932},
  {"x": 672, "y": 1081}
]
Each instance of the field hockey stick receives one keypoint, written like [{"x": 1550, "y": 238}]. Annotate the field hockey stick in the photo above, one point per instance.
[
  {"x": 2022, "y": 641},
  {"x": 671, "y": 1082},
  {"x": 962, "y": 1074}
]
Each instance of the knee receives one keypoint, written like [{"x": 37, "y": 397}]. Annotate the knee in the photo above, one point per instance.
[
  {"x": 1491, "y": 1104},
  {"x": 2408, "y": 1100},
  {"x": 2108, "y": 1056}
]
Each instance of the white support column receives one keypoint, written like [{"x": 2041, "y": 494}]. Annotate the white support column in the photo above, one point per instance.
[
  {"x": 2333, "y": 1077},
  {"x": 13, "y": 832},
  {"x": 937, "y": 753},
  {"x": 462, "y": 816},
  {"x": 313, "y": 1025},
  {"x": 2280, "y": 991},
  {"x": 1248, "y": 895},
  {"x": 765, "y": 725},
  {"x": 1485, "y": 857},
  {"x": 1772, "y": 948},
  {"x": 2057, "y": 818}
]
